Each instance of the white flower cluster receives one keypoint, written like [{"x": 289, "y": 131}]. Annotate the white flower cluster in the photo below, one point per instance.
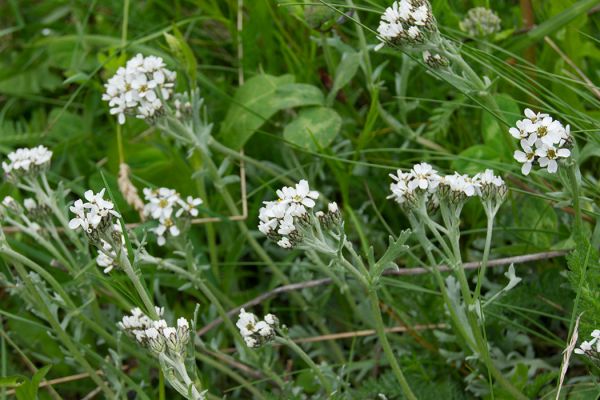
[
  {"x": 406, "y": 22},
  {"x": 108, "y": 258},
  {"x": 424, "y": 180},
  {"x": 543, "y": 140},
  {"x": 279, "y": 219},
  {"x": 94, "y": 215},
  {"x": 166, "y": 206},
  {"x": 27, "y": 161},
  {"x": 591, "y": 348},
  {"x": 157, "y": 335},
  {"x": 139, "y": 88},
  {"x": 255, "y": 332},
  {"x": 481, "y": 21}
]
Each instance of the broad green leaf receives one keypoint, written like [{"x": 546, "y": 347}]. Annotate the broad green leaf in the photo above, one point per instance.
[
  {"x": 344, "y": 73},
  {"x": 258, "y": 100},
  {"x": 314, "y": 128}
]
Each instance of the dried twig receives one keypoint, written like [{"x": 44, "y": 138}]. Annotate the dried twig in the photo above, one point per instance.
[
  {"x": 399, "y": 272},
  {"x": 355, "y": 334},
  {"x": 65, "y": 379}
]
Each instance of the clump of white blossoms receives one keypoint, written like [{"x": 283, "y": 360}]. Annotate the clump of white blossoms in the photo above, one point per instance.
[
  {"x": 27, "y": 162},
  {"x": 290, "y": 220},
  {"x": 170, "y": 210},
  {"x": 481, "y": 21},
  {"x": 591, "y": 348},
  {"x": 406, "y": 23},
  {"x": 168, "y": 344},
  {"x": 543, "y": 141},
  {"x": 95, "y": 216},
  {"x": 255, "y": 332},
  {"x": 156, "y": 335},
  {"x": 422, "y": 186},
  {"x": 140, "y": 88}
]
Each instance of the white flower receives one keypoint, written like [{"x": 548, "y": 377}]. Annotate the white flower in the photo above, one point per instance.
[
  {"x": 160, "y": 202},
  {"x": 590, "y": 348},
  {"x": 400, "y": 188},
  {"x": 285, "y": 243},
  {"x": 165, "y": 226},
  {"x": 189, "y": 206},
  {"x": 29, "y": 204},
  {"x": 332, "y": 207},
  {"x": 301, "y": 194},
  {"x": 548, "y": 156},
  {"x": 286, "y": 225},
  {"x": 10, "y": 203},
  {"x": 424, "y": 177},
  {"x": 271, "y": 319},
  {"x": 246, "y": 323},
  {"x": 527, "y": 157},
  {"x": 548, "y": 131},
  {"x": 524, "y": 129}
]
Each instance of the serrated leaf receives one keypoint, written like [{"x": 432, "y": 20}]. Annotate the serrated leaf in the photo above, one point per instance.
[{"x": 314, "y": 128}]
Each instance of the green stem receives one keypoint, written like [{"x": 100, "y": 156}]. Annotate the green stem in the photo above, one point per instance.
[
  {"x": 298, "y": 350},
  {"x": 387, "y": 349},
  {"x": 572, "y": 174},
  {"x": 139, "y": 287},
  {"x": 486, "y": 254}
]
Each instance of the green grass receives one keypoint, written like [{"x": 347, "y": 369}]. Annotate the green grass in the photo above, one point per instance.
[{"x": 387, "y": 111}]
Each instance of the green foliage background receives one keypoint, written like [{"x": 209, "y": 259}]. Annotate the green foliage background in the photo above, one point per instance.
[{"x": 318, "y": 104}]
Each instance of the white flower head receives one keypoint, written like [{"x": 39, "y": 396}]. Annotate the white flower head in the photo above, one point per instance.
[
  {"x": 139, "y": 88},
  {"x": 406, "y": 22},
  {"x": 95, "y": 215},
  {"x": 282, "y": 220},
  {"x": 256, "y": 332},
  {"x": 170, "y": 211},
  {"x": 543, "y": 140},
  {"x": 27, "y": 161}
]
